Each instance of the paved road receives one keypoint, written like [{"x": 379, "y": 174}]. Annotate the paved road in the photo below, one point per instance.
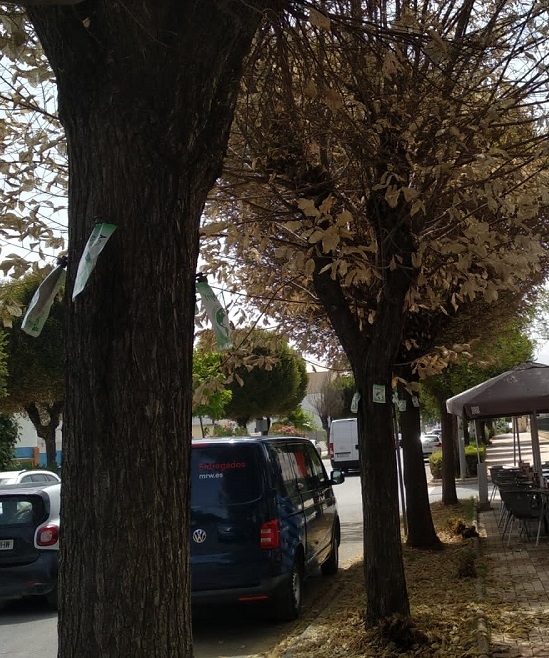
[{"x": 28, "y": 630}]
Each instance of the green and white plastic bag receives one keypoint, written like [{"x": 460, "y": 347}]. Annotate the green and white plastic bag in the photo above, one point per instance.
[
  {"x": 40, "y": 305},
  {"x": 216, "y": 314},
  {"x": 96, "y": 242}
]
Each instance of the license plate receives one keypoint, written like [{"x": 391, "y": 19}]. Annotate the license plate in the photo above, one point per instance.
[
  {"x": 6, "y": 544},
  {"x": 342, "y": 454}
]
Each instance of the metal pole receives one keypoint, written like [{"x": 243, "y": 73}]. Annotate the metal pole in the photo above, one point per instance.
[
  {"x": 516, "y": 428},
  {"x": 536, "y": 453},
  {"x": 514, "y": 441},
  {"x": 461, "y": 447},
  {"x": 481, "y": 474},
  {"x": 399, "y": 472}
]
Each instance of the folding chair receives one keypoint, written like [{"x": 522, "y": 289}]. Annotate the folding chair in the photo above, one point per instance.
[{"x": 523, "y": 505}]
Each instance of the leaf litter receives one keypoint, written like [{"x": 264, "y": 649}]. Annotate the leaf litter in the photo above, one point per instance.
[{"x": 444, "y": 602}]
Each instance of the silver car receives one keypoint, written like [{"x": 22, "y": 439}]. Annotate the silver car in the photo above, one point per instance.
[
  {"x": 430, "y": 443},
  {"x": 40, "y": 476}
]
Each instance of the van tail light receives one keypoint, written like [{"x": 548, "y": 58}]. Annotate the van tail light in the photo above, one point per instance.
[
  {"x": 48, "y": 535},
  {"x": 269, "y": 535},
  {"x": 331, "y": 450}
]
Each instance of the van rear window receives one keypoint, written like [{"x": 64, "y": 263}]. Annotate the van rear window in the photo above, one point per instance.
[{"x": 224, "y": 475}]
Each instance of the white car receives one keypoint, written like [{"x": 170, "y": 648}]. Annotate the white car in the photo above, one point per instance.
[
  {"x": 430, "y": 443},
  {"x": 29, "y": 540},
  {"x": 317, "y": 446},
  {"x": 39, "y": 476}
]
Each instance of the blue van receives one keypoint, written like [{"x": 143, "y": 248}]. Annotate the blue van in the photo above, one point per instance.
[{"x": 263, "y": 516}]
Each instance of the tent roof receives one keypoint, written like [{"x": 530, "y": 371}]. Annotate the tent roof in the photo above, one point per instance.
[{"x": 520, "y": 391}]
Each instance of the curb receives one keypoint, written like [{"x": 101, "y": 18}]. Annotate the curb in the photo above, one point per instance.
[
  {"x": 332, "y": 596},
  {"x": 309, "y": 631},
  {"x": 458, "y": 480},
  {"x": 483, "y": 640}
]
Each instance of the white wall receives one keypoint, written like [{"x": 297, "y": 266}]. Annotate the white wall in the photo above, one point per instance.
[{"x": 28, "y": 438}]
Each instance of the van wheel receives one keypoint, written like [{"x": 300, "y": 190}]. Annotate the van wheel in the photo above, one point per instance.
[
  {"x": 330, "y": 566},
  {"x": 288, "y": 603}
]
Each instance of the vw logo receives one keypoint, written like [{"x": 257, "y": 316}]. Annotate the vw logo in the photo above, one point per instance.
[{"x": 199, "y": 536}]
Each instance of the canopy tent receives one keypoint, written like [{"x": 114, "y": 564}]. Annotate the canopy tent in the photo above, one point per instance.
[{"x": 524, "y": 390}]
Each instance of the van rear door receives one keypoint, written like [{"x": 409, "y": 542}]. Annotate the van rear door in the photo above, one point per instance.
[
  {"x": 228, "y": 511},
  {"x": 344, "y": 444}
]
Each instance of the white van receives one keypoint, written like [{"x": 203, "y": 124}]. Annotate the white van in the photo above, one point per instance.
[{"x": 344, "y": 444}]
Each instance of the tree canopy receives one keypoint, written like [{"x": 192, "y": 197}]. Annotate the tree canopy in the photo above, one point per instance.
[
  {"x": 33, "y": 171},
  {"x": 450, "y": 145},
  {"x": 211, "y": 395},
  {"x": 497, "y": 353},
  {"x": 266, "y": 377}
]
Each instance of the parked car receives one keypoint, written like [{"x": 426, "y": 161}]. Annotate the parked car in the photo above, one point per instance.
[
  {"x": 263, "y": 517},
  {"x": 29, "y": 540},
  {"x": 430, "y": 443},
  {"x": 317, "y": 446},
  {"x": 39, "y": 476}
]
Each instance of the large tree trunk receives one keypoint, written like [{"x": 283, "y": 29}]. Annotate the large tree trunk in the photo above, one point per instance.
[
  {"x": 325, "y": 422},
  {"x": 384, "y": 571},
  {"x": 47, "y": 431},
  {"x": 421, "y": 530},
  {"x": 146, "y": 93},
  {"x": 372, "y": 359},
  {"x": 449, "y": 491}
]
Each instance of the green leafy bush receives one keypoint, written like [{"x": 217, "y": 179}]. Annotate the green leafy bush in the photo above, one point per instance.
[
  {"x": 229, "y": 429},
  {"x": 20, "y": 465},
  {"x": 472, "y": 456},
  {"x": 435, "y": 464},
  {"x": 471, "y": 460}
]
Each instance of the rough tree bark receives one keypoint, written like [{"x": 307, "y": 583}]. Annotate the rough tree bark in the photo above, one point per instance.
[
  {"x": 421, "y": 530},
  {"x": 47, "y": 431},
  {"x": 372, "y": 360},
  {"x": 146, "y": 96}
]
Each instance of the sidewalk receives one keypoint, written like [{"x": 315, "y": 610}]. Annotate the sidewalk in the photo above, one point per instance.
[{"x": 516, "y": 588}]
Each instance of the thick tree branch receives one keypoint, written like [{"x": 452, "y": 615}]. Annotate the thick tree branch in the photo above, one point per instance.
[{"x": 33, "y": 414}]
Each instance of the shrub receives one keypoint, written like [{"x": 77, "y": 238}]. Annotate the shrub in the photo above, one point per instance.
[
  {"x": 286, "y": 430},
  {"x": 435, "y": 464},
  {"x": 472, "y": 456},
  {"x": 471, "y": 460},
  {"x": 229, "y": 429},
  {"x": 21, "y": 464}
]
